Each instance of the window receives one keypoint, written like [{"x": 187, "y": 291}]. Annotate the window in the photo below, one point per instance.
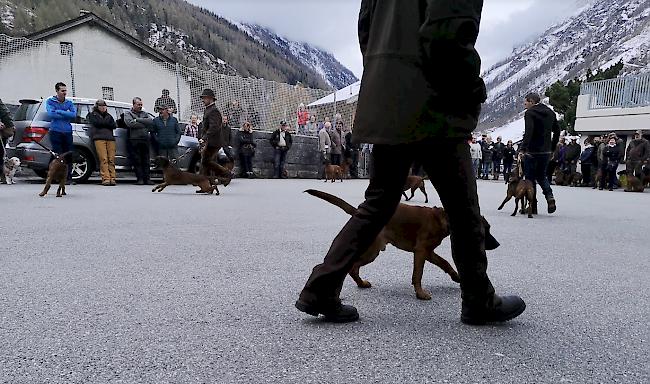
[
  {"x": 108, "y": 93},
  {"x": 66, "y": 49},
  {"x": 82, "y": 112}
]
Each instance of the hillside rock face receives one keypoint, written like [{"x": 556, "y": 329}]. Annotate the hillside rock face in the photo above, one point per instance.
[{"x": 602, "y": 34}]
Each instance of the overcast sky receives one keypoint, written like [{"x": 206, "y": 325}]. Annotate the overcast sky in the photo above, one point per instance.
[{"x": 332, "y": 24}]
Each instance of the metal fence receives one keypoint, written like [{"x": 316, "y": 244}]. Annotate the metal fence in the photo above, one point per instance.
[
  {"x": 30, "y": 69},
  {"x": 624, "y": 92}
]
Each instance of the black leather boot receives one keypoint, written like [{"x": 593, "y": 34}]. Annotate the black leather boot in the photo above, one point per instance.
[
  {"x": 335, "y": 313},
  {"x": 503, "y": 309}
]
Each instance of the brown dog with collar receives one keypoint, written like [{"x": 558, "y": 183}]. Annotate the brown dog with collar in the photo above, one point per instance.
[
  {"x": 413, "y": 229},
  {"x": 413, "y": 183},
  {"x": 174, "y": 176},
  {"x": 333, "y": 172},
  {"x": 58, "y": 171},
  {"x": 522, "y": 190}
]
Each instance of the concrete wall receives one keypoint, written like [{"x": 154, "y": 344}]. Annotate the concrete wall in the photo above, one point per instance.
[
  {"x": 100, "y": 59},
  {"x": 620, "y": 120},
  {"x": 303, "y": 159}
]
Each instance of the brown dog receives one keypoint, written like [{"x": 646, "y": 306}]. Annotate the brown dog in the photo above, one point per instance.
[
  {"x": 646, "y": 176},
  {"x": 413, "y": 183},
  {"x": 413, "y": 229},
  {"x": 174, "y": 176},
  {"x": 522, "y": 190},
  {"x": 333, "y": 172},
  {"x": 58, "y": 171},
  {"x": 634, "y": 184},
  {"x": 575, "y": 180}
]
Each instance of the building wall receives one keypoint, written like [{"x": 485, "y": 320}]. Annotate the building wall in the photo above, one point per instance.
[
  {"x": 100, "y": 59},
  {"x": 600, "y": 121}
]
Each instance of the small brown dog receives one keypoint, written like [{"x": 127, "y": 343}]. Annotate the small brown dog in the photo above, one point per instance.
[
  {"x": 333, "y": 172},
  {"x": 634, "y": 184},
  {"x": 575, "y": 180},
  {"x": 174, "y": 176},
  {"x": 58, "y": 171},
  {"x": 413, "y": 183},
  {"x": 413, "y": 229},
  {"x": 522, "y": 190}
]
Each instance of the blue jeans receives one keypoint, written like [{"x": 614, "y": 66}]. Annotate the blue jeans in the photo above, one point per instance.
[
  {"x": 487, "y": 168},
  {"x": 535, "y": 171},
  {"x": 62, "y": 143},
  {"x": 278, "y": 162},
  {"x": 475, "y": 164}
]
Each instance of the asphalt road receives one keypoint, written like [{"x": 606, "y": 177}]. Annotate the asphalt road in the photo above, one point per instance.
[{"x": 120, "y": 285}]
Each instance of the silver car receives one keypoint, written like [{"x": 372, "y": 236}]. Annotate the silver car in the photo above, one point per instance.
[{"x": 32, "y": 125}]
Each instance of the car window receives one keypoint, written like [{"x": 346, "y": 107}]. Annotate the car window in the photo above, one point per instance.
[
  {"x": 113, "y": 112},
  {"x": 26, "y": 111},
  {"x": 82, "y": 112}
]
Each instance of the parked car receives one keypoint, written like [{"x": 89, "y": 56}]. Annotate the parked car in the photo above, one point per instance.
[{"x": 32, "y": 125}]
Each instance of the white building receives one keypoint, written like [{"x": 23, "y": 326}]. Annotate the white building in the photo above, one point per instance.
[
  {"x": 94, "y": 59},
  {"x": 618, "y": 105}
]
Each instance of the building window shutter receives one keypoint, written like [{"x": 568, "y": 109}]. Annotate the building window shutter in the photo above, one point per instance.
[{"x": 66, "y": 49}]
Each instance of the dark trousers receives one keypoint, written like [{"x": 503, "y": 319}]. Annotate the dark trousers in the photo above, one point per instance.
[
  {"x": 354, "y": 164},
  {"x": 550, "y": 170},
  {"x": 449, "y": 166},
  {"x": 496, "y": 168},
  {"x": 585, "y": 169},
  {"x": 2, "y": 157},
  {"x": 139, "y": 157},
  {"x": 279, "y": 160},
  {"x": 335, "y": 159},
  {"x": 62, "y": 143},
  {"x": 507, "y": 169},
  {"x": 245, "y": 163},
  {"x": 535, "y": 167},
  {"x": 208, "y": 165},
  {"x": 608, "y": 175}
]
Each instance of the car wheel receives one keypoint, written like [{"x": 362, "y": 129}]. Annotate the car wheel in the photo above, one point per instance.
[{"x": 83, "y": 166}]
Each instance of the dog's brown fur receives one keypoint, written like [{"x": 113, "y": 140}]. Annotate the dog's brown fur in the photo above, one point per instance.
[
  {"x": 646, "y": 176},
  {"x": 561, "y": 178},
  {"x": 413, "y": 229},
  {"x": 174, "y": 176},
  {"x": 522, "y": 190},
  {"x": 333, "y": 172},
  {"x": 634, "y": 184},
  {"x": 57, "y": 171},
  {"x": 575, "y": 180},
  {"x": 413, "y": 183}
]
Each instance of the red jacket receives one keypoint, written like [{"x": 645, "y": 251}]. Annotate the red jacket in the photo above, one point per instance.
[{"x": 303, "y": 117}]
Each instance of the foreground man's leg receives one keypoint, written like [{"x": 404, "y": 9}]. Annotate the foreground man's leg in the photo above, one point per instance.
[
  {"x": 320, "y": 295},
  {"x": 456, "y": 186}
]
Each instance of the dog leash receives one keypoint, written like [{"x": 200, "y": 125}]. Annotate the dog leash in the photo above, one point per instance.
[
  {"x": 47, "y": 149},
  {"x": 174, "y": 161}
]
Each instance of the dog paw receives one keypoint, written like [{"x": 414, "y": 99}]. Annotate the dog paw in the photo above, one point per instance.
[
  {"x": 364, "y": 284},
  {"x": 455, "y": 277},
  {"x": 153, "y": 190},
  {"x": 58, "y": 195},
  {"x": 41, "y": 194},
  {"x": 422, "y": 294}
]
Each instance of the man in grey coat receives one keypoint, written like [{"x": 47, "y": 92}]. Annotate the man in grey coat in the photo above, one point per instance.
[
  {"x": 420, "y": 99},
  {"x": 324, "y": 147},
  {"x": 139, "y": 124}
]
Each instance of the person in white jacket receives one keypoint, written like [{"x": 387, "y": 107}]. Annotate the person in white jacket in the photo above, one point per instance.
[{"x": 477, "y": 155}]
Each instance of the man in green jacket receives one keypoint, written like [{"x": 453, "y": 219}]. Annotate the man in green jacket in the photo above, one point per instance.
[{"x": 420, "y": 98}]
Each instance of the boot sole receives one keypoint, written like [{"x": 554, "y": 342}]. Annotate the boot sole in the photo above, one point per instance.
[
  {"x": 471, "y": 321},
  {"x": 311, "y": 310}
]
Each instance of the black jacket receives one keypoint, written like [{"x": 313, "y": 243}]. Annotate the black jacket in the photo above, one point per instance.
[
  {"x": 246, "y": 143},
  {"x": 487, "y": 150},
  {"x": 212, "y": 132},
  {"x": 638, "y": 150},
  {"x": 421, "y": 75},
  {"x": 275, "y": 140},
  {"x": 572, "y": 152},
  {"x": 101, "y": 126},
  {"x": 509, "y": 154},
  {"x": 541, "y": 122},
  {"x": 497, "y": 153},
  {"x": 612, "y": 155}
]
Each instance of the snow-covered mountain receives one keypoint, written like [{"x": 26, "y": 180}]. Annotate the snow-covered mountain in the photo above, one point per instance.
[
  {"x": 324, "y": 63},
  {"x": 603, "y": 33}
]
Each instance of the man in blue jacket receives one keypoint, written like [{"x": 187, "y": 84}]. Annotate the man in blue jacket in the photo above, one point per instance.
[
  {"x": 61, "y": 112},
  {"x": 167, "y": 133}
]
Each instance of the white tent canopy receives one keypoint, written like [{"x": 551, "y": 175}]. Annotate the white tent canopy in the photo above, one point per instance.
[{"x": 348, "y": 94}]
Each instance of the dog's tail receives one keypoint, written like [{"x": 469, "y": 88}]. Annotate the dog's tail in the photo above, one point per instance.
[{"x": 350, "y": 210}]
